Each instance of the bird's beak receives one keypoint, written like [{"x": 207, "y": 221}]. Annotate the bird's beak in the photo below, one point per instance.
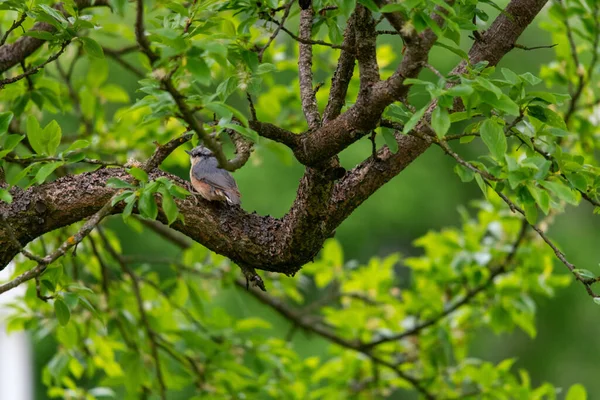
[{"x": 189, "y": 152}]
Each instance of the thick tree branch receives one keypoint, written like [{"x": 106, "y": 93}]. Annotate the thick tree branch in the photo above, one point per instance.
[
  {"x": 366, "y": 46},
  {"x": 305, "y": 75},
  {"x": 248, "y": 239}
]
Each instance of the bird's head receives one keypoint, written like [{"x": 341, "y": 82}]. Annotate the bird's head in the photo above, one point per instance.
[{"x": 199, "y": 152}]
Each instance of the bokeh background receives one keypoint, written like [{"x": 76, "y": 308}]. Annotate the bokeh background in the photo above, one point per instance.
[{"x": 424, "y": 197}]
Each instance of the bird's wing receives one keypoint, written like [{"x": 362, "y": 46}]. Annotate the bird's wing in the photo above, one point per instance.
[{"x": 219, "y": 178}]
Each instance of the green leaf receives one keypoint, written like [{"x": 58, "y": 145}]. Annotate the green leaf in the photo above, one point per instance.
[
  {"x": 51, "y": 136},
  {"x": 181, "y": 293},
  {"x": 5, "y": 196},
  {"x": 121, "y": 197},
  {"x": 465, "y": 174},
  {"x": 542, "y": 198},
  {"x": 130, "y": 201},
  {"x": 41, "y": 35},
  {"x": 46, "y": 170},
  {"x": 34, "y": 134},
  {"x": 502, "y": 103},
  {"x": 179, "y": 192},
  {"x": 91, "y": 47},
  {"x": 169, "y": 206},
  {"x": 390, "y": 8},
  {"x": 226, "y": 111},
  {"x": 510, "y": 76},
  {"x": 414, "y": 119},
  {"x": 584, "y": 273},
  {"x": 530, "y": 78},
  {"x": 493, "y": 137},
  {"x": 147, "y": 205},
  {"x": 138, "y": 174},
  {"x": 370, "y": 4},
  {"x": 63, "y": 314},
  {"x": 440, "y": 121},
  {"x": 5, "y": 119},
  {"x": 11, "y": 142},
  {"x": 460, "y": 90},
  {"x": 562, "y": 191},
  {"x": 248, "y": 133},
  {"x": 119, "y": 184},
  {"x": 78, "y": 144},
  {"x": 44, "y": 141},
  {"x": 459, "y": 52},
  {"x": 577, "y": 391},
  {"x": 390, "y": 139},
  {"x": 85, "y": 303},
  {"x": 487, "y": 85},
  {"x": 199, "y": 69}
]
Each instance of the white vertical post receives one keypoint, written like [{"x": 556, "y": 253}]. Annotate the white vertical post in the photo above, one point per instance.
[{"x": 16, "y": 377}]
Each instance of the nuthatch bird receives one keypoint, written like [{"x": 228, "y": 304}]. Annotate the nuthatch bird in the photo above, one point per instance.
[{"x": 210, "y": 181}]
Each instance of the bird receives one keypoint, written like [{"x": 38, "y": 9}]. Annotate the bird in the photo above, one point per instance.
[{"x": 210, "y": 181}]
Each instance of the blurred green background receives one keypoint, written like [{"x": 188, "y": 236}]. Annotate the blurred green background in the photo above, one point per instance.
[{"x": 426, "y": 197}]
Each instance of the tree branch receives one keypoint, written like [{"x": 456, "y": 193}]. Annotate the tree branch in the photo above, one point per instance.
[
  {"x": 343, "y": 74},
  {"x": 305, "y": 75}
]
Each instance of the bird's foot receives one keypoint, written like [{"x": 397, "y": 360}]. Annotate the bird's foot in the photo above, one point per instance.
[{"x": 253, "y": 278}]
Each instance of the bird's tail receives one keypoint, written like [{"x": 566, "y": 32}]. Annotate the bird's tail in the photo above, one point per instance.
[{"x": 232, "y": 198}]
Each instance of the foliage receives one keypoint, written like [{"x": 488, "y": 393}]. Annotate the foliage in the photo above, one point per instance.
[{"x": 130, "y": 324}]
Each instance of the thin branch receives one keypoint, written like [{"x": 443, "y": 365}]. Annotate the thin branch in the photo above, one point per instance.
[
  {"x": 286, "y": 13},
  {"x": 304, "y": 40},
  {"x": 117, "y": 56},
  {"x": 559, "y": 254},
  {"x": 16, "y": 23},
  {"x": 520, "y": 46},
  {"x": 13, "y": 158},
  {"x": 140, "y": 33},
  {"x": 35, "y": 69},
  {"x": 169, "y": 234}
]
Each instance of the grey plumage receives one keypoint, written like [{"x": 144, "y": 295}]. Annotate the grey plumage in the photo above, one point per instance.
[{"x": 205, "y": 169}]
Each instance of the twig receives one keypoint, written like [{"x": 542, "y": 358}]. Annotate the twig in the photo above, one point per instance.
[
  {"x": 176, "y": 238},
  {"x": 286, "y": 13},
  {"x": 252, "y": 108},
  {"x": 14, "y": 26},
  {"x": 35, "y": 69},
  {"x": 117, "y": 56},
  {"x": 13, "y": 158},
  {"x": 520, "y": 46},
  {"x": 302, "y": 40}
]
